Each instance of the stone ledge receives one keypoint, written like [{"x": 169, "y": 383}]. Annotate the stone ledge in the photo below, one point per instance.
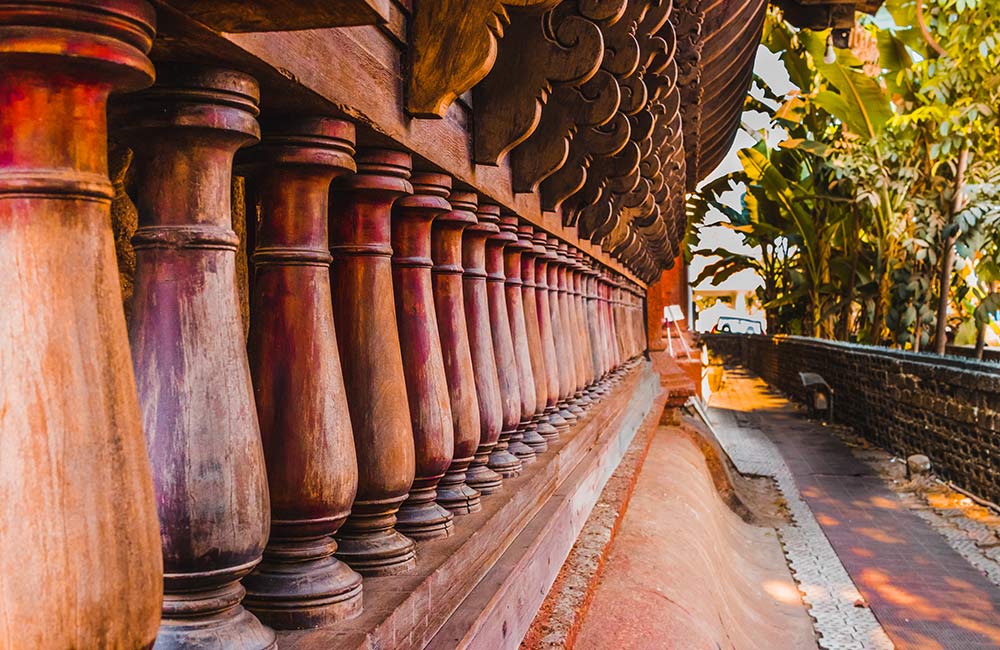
[{"x": 406, "y": 612}]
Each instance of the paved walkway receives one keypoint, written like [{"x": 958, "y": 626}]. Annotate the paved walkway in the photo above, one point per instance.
[{"x": 925, "y": 595}]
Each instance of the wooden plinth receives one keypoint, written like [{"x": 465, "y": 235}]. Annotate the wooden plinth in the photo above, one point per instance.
[{"x": 406, "y": 612}]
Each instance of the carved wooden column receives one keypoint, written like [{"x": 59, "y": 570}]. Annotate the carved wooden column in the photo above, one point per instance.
[
  {"x": 638, "y": 318},
  {"x": 502, "y": 459},
  {"x": 79, "y": 547},
  {"x": 361, "y": 274},
  {"x": 617, "y": 326},
  {"x": 624, "y": 331},
  {"x": 188, "y": 350},
  {"x": 553, "y": 375},
  {"x": 631, "y": 310},
  {"x": 609, "y": 325},
  {"x": 526, "y": 439},
  {"x": 580, "y": 305},
  {"x": 540, "y": 430},
  {"x": 560, "y": 333},
  {"x": 305, "y": 425},
  {"x": 420, "y": 516},
  {"x": 446, "y": 248},
  {"x": 595, "y": 323},
  {"x": 567, "y": 295},
  {"x": 477, "y": 316}
]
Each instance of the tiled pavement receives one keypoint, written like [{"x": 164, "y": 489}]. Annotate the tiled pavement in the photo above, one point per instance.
[{"x": 925, "y": 595}]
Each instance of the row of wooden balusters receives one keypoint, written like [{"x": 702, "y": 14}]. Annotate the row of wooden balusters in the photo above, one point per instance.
[
  {"x": 446, "y": 346},
  {"x": 398, "y": 367}
]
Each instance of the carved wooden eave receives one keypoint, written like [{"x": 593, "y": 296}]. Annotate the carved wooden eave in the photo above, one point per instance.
[
  {"x": 717, "y": 43},
  {"x": 590, "y": 116},
  {"x": 453, "y": 45},
  {"x": 559, "y": 47},
  {"x": 625, "y": 182},
  {"x": 571, "y": 108}
]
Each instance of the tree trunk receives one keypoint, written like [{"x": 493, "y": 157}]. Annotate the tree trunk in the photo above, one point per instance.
[
  {"x": 980, "y": 340},
  {"x": 948, "y": 257},
  {"x": 845, "y": 309}
]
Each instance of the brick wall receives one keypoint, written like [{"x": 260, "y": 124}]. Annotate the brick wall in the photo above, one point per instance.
[{"x": 945, "y": 407}]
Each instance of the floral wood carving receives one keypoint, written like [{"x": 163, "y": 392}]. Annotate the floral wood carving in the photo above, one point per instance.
[
  {"x": 453, "y": 45},
  {"x": 558, "y": 47},
  {"x": 571, "y": 108}
]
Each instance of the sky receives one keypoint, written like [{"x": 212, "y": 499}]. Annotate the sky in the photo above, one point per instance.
[{"x": 769, "y": 67}]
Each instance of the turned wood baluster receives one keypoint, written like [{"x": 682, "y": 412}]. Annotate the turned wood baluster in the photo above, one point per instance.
[
  {"x": 420, "y": 517},
  {"x": 540, "y": 430},
  {"x": 188, "y": 349},
  {"x": 595, "y": 322},
  {"x": 611, "y": 340},
  {"x": 510, "y": 270},
  {"x": 553, "y": 376},
  {"x": 526, "y": 438},
  {"x": 633, "y": 341},
  {"x": 580, "y": 304},
  {"x": 446, "y": 250},
  {"x": 638, "y": 316},
  {"x": 567, "y": 299},
  {"x": 617, "y": 326},
  {"x": 502, "y": 459},
  {"x": 305, "y": 425},
  {"x": 477, "y": 315},
  {"x": 623, "y": 324},
  {"x": 80, "y": 562},
  {"x": 560, "y": 332},
  {"x": 368, "y": 339}
]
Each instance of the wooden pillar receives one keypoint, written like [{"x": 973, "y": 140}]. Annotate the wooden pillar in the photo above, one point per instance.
[
  {"x": 190, "y": 355},
  {"x": 618, "y": 319},
  {"x": 609, "y": 327},
  {"x": 560, "y": 332},
  {"x": 446, "y": 249},
  {"x": 305, "y": 425},
  {"x": 638, "y": 329},
  {"x": 552, "y": 374},
  {"x": 596, "y": 329},
  {"x": 477, "y": 315},
  {"x": 540, "y": 431},
  {"x": 502, "y": 459},
  {"x": 568, "y": 298},
  {"x": 526, "y": 439},
  {"x": 361, "y": 274},
  {"x": 582, "y": 317},
  {"x": 79, "y": 547},
  {"x": 420, "y": 517}
]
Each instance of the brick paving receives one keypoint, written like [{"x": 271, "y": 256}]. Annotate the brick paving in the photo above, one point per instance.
[{"x": 925, "y": 595}]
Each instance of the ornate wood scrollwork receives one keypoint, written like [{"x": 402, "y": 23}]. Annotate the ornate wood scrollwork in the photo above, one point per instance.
[
  {"x": 571, "y": 107},
  {"x": 453, "y": 45},
  {"x": 561, "y": 46},
  {"x": 597, "y": 141},
  {"x": 688, "y": 19}
]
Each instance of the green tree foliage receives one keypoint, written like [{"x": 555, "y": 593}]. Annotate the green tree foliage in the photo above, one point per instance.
[{"x": 887, "y": 184}]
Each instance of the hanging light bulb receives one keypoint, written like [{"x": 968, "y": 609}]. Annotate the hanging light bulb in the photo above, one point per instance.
[{"x": 829, "y": 56}]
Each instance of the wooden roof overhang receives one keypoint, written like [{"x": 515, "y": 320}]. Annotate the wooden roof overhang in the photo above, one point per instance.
[{"x": 589, "y": 118}]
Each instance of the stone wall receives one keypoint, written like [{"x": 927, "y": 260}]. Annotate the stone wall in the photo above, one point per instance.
[{"x": 945, "y": 407}]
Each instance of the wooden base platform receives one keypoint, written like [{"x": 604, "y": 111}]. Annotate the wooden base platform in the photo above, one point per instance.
[{"x": 481, "y": 587}]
